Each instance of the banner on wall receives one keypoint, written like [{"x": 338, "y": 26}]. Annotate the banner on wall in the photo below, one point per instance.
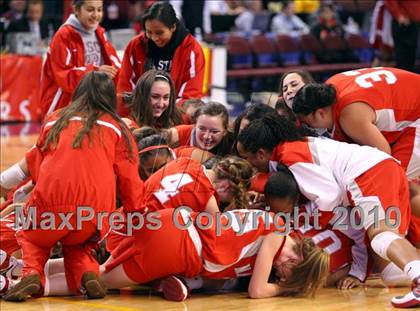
[{"x": 19, "y": 87}]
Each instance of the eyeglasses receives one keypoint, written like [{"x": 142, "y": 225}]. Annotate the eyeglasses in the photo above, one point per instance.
[{"x": 210, "y": 131}]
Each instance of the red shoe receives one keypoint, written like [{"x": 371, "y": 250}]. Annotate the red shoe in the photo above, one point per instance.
[
  {"x": 28, "y": 286},
  {"x": 410, "y": 300},
  {"x": 174, "y": 289}
]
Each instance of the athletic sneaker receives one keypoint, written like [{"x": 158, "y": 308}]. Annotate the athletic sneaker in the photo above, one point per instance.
[
  {"x": 14, "y": 270},
  {"x": 92, "y": 287},
  {"x": 410, "y": 300},
  {"x": 174, "y": 289},
  {"x": 28, "y": 286},
  {"x": 4, "y": 285}
]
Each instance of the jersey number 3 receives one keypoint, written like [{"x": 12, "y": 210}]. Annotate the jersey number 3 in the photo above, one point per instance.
[{"x": 365, "y": 80}]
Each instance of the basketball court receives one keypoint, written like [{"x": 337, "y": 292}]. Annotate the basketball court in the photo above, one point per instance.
[{"x": 18, "y": 138}]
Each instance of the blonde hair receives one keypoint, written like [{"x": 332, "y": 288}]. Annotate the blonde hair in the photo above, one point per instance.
[
  {"x": 311, "y": 274},
  {"x": 238, "y": 172}
]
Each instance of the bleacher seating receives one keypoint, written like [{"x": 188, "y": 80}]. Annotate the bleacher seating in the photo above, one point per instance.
[{"x": 254, "y": 58}]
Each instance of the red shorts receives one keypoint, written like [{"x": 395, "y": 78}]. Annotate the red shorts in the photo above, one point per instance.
[
  {"x": 8, "y": 241},
  {"x": 407, "y": 150},
  {"x": 77, "y": 251},
  {"x": 383, "y": 186},
  {"x": 154, "y": 253},
  {"x": 414, "y": 231}
]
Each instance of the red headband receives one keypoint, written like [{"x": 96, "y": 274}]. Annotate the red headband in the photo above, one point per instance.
[{"x": 154, "y": 148}]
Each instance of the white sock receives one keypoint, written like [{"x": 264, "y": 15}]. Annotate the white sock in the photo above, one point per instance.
[
  {"x": 56, "y": 285},
  {"x": 412, "y": 269},
  {"x": 394, "y": 276}
]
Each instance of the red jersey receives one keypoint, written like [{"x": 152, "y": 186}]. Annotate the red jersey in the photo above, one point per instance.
[
  {"x": 87, "y": 176},
  {"x": 333, "y": 242},
  {"x": 232, "y": 252},
  {"x": 174, "y": 244},
  {"x": 389, "y": 91},
  {"x": 65, "y": 66},
  {"x": 185, "y": 134},
  {"x": 187, "y": 71},
  {"x": 258, "y": 182},
  {"x": 182, "y": 182}
]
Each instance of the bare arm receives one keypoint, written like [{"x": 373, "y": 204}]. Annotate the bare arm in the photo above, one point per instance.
[
  {"x": 358, "y": 122},
  {"x": 212, "y": 206},
  {"x": 201, "y": 155},
  {"x": 259, "y": 286}
]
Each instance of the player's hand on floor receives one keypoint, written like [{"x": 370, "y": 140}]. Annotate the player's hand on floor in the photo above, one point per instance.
[{"x": 348, "y": 282}]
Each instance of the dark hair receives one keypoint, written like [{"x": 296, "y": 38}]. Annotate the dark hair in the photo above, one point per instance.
[
  {"x": 286, "y": 3},
  {"x": 251, "y": 113},
  {"x": 282, "y": 184},
  {"x": 149, "y": 141},
  {"x": 211, "y": 162},
  {"x": 78, "y": 3},
  {"x": 163, "y": 12},
  {"x": 313, "y": 96},
  {"x": 306, "y": 78},
  {"x": 268, "y": 132},
  {"x": 288, "y": 113},
  {"x": 143, "y": 132},
  {"x": 34, "y": 2},
  {"x": 94, "y": 96},
  {"x": 195, "y": 103},
  {"x": 214, "y": 109},
  {"x": 139, "y": 101}
]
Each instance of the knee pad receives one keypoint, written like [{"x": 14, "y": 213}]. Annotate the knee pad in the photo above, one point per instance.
[
  {"x": 12, "y": 176},
  {"x": 381, "y": 242}
]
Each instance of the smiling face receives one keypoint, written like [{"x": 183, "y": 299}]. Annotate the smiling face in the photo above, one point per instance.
[
  {"x": 209, "y": 131},
  {"x": 159, "y": 97},
  {"x": 291, "y": 84},
  {"x": 158, "y": 32},
  {"x": 90, "y": 14}
]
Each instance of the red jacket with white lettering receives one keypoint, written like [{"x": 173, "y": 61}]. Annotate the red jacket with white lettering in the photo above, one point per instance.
[
  {"x": 187, "y": 71},
  {"x": 65, "y": 66}
]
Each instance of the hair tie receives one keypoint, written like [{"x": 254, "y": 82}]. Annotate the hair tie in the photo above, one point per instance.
[
  {"x": 154, "y": 148},
  {"x": 163, "y": 77}
]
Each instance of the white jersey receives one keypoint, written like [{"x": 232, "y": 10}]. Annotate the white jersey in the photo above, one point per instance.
[{"x": 325, "y": 168}]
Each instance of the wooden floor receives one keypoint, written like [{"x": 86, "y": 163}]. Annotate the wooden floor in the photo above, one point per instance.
[{"x": 373, "y": 296}]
